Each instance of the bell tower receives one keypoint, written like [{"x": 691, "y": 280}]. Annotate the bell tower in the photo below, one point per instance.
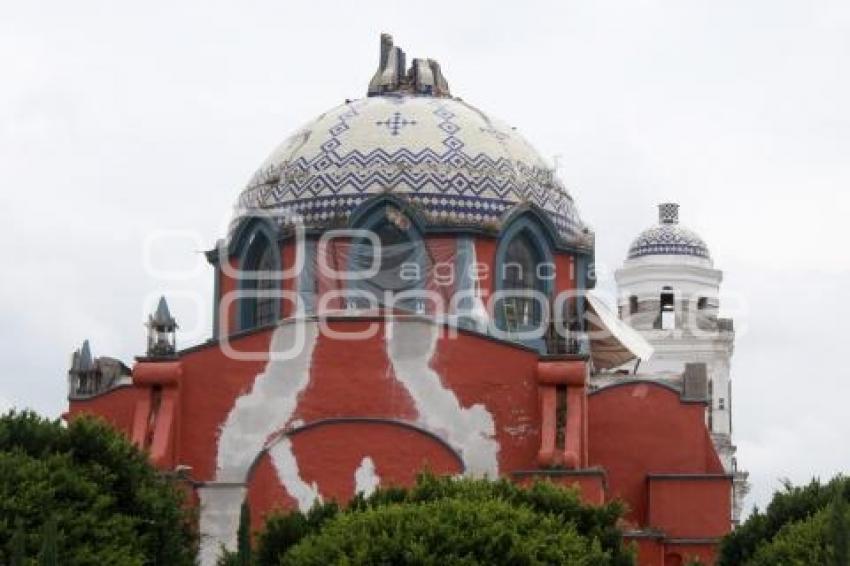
[{"x": 669, "y": 290}]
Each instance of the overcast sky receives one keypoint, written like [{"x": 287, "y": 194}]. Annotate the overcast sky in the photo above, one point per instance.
[{"x": 127, "y": 130}]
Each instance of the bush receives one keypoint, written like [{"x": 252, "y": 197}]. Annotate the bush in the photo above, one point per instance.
[
  {"x": 449, "y": 521},
  {"x": 84, "y": 495},
  {"x": 802, "y": 525},
  {"x": 447, "y": 531}
]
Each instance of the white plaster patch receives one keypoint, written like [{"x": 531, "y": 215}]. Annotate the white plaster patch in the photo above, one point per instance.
[
  {"x": 471, "y": 431},
  {"x": 366, "y": 479},
  {"x": 218, "y": 522},
  {"x": 269, "y": 405},
  {"x": 286, "y": 466},
  {"x": 254, "y": 417}
]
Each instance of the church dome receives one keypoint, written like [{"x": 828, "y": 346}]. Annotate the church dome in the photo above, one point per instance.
[
  {"x": 455, "y": 164},
  {"x": 668, "y": 237}
]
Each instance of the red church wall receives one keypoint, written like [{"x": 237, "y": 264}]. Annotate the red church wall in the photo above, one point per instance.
[
  {"x": 642, "y": 428},
  {"x": 265, "y": 494},
  {"x": 634, "y": 441},
  {"x": 355, "y": 379},
  {"x": 690, "y": 506},
  {"x": 590, "y": 484},
  {"x": 682, "y": 554},
  {"x": 210, "y": 384},
  {"x": 115, "y": 406},
  {"x": 650, "y": 550},
  {"x": 502, "y": 378},
  {"x": 397, "y": 452},
  {"x": 485, "y": 253}
]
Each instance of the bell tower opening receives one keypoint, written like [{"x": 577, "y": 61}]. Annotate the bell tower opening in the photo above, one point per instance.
[{"x": 668, "y": 309}]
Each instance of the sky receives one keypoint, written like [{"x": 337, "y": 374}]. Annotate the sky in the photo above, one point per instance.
[{"x": 128, "y": 129}]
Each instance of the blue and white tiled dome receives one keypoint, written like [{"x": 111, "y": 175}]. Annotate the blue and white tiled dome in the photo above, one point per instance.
[
  {"x": 457, "y": 165},
  {"x": 668, "y": 237}
]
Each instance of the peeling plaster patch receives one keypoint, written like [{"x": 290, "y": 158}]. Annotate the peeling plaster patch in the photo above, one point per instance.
[
  {"x": 286, "y": 466},
  {"x": 253, "y": 418},
  {"x": 411, "y": 346},
  {"x": 218, "y": 521},
  {"x": 366, "y": 479},
  {"x": 269, "y": 405}
]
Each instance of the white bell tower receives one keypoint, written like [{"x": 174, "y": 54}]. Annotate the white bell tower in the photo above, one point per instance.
[{"x": 669, "y": 291}]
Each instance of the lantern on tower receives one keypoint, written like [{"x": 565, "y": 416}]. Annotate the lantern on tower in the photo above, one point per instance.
[
  {"x": 84, "y": 376},
  {"x": 162, "y": 330}
]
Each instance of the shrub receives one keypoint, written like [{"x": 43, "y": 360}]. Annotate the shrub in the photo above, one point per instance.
[
  {"x": 84, "y": 495},
  {"x": 449, "y": 521},
  {"x": 800, "y": 524}
]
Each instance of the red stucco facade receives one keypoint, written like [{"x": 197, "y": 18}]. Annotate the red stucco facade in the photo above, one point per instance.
[{"x": 634, "y": 441}]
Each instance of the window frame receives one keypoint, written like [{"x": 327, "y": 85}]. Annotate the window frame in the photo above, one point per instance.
[
  {"x": 257, "y": 243},
  {"x": 531, "y": 229}
]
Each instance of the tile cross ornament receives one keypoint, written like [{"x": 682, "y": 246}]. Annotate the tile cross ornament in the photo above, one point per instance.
[{"x": 396, "y": 123}]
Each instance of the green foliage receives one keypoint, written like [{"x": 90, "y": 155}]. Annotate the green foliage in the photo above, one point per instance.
[
  {"x": 243, "y": 549},
  {"x": 798, "y": 543},
  {"x": 442, "y": 520},
  {"x": 446, "y": 531},
  {"x": 107, "y": 504},
  {"x": 49, "y": 554},
  {"x": 18, "y": 545},
  {"x": 839, "y": 530},
  {"x": 282, "y": 531},
  {"x": 802, "y": 525}
]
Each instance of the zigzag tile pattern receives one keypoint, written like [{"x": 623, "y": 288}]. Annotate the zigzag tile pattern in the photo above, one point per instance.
[
  {"x": 668, "y": 239},
  {"x": 453, "y": 162}
]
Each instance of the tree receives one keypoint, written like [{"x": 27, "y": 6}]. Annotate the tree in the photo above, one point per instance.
[
  {"x": 49, "y": 555},
  {"x": 839, "y": 530},
  {"x": 243, "y": 548},
  {"x": 442, "y": 520},
  {"x": 802, "y": 525},
  {"x": 107, "y": 504},
  {"x": 17, "y": 545},
  {"x": 797, "y": 543}
]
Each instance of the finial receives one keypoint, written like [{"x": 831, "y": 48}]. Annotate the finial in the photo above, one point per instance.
[
  {"x": 390, "y": 68},
  {"x": 84, "y": 360},
  {"x": 424, "y": 76},
  {"x": 668, "y": 213},
  {"x": 162, "y": 316}
]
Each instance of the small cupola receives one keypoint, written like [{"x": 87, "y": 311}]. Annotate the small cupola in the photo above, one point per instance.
[
  {"x": 84, "y": 376},
  {"x": 668, "y": 237},
  {"x": 162, "y": 331}
]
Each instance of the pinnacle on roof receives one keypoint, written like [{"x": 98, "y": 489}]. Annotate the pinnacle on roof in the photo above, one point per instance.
[
  {"x": 83, "y": 359},
  {"x": 668, "y": 213},
  {"x": 162, "y": 316},
  {"x": 424, "y": 76}
]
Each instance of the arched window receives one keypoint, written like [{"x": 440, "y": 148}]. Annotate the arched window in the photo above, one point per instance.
[
  {"x": 519, "y": 272},
  {"x": 633, "y": 304},
  {"x": 524, "y": 280},
  {"x": 402, "y": 263},
  {"x": 261, "y": 304},
  {"x": 702, "y": 303},
  {"x": 265, "y": 311}
]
